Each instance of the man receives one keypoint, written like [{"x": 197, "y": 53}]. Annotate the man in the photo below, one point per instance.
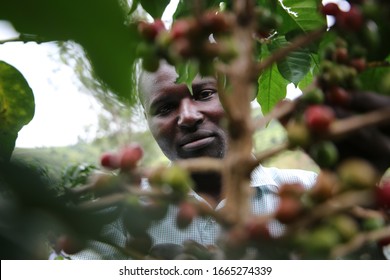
[{"x": 189, "y": 125}]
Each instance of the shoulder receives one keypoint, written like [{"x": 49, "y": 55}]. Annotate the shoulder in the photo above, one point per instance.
[{"x": 277, "y": 177}]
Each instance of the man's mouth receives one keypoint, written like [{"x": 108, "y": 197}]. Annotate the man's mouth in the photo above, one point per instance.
[
  {"x": 196, "y": 141},
  {"x": 198, "y": 144}
]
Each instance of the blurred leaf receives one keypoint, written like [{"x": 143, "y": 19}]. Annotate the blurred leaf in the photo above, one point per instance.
[
  {"x": 186, "y": 8},
  {"x": 296, "y": 65},
  {"x": 376, "y": 79},
  {"x": 16, "y": 107},
  {"x": 96, "y": 25},
  {"x": 155, "y": 7},
  {"x": 302, "y": 15}
]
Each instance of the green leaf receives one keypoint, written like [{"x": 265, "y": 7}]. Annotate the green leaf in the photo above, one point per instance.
[
  {"x": 186, "y": 8},
  {"x": 302, "y": 15},
  {"x": 296, "y": 65},
  {"x": 16, "y": 107},
  {"x": 98, "y": 26},
  {"x": 272, "y": 87},
  {"x": 187, "y": 72},
  {"x": 134, "y": 6},
  {"x": 376, "y": 79},
  {"x": 155, "y": 8}
]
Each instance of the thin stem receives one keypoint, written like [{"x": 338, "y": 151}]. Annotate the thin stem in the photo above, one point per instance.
[{"x": 359, "y": 241}]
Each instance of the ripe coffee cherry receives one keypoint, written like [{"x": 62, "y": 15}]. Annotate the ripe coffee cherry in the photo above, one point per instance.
[
  {"x": 150, "y": 30},
  {"x": 359, "y": 64},
  {"x": 214, "y": 22},
  {"x": 69, "y": 245},
  {"x": 110, "y": 160},
  {"x": 338, "y": 96},
  {"x": 129, "y": 156},
  {"x": 188, "y": 28},
  {"x": 351, "y": 20},
  {"x": 291, "y": 190},
  {"x": 186, "y": 214},
  {"x": 330, "y": 9},
  {"x": 383, "y": 195},
  {"x": 341, "y": 55},
  {"x": 319, "y": 117},
  {"x": 257, "y": 230},
  {"x": 288, "y": 210}
]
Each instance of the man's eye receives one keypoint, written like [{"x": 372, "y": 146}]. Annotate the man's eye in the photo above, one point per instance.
[
  {"x": 165, "y": 109},
  {"x": 205, "y": 94}
]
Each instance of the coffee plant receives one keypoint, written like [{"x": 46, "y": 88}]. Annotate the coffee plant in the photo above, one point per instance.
[{"x": 338, "y": 58}]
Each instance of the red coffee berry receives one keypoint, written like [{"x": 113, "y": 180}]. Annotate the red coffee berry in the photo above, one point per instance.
[
  {"x": 150, "y": 30},
  {"x": 288, "y": 210},
  {"x": 257, "y": 230},
  {"x": 383, "y": 195},
  {"x": 291, "y": 190},
  {"x": 338, "y": 96},
  {"x": 330, "y": 9},
  {"x": 214, "y": 22},
  {"x": 110, "y": 160},
  {"x": 184, "y": 28},
  {"x": 341, "y": 55},
  {"x": 359, "y": 64},
  {"x": 130, "y": 155},
  {"x": 351, "y": 20},
  {"x": 69, "y": 245},
  {"x": 319, "y": 117}
]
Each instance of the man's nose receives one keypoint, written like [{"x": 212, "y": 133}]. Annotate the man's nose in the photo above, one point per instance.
[{"x": 189, "y": 115}]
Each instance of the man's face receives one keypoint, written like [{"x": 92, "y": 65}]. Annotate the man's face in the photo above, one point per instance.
[{"x": 184, "y": 125}]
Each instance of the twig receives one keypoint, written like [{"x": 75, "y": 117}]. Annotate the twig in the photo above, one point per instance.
[
  {"x": 348, "y": 125},
  {"x": 201, "y": 164},
  {"x": 260, "y": 157},
  {"x": 359, "y": 241},
  {"x": 339, "y": 203}
]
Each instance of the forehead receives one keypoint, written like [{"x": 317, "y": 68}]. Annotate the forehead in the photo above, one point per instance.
[{"x": 163, "y": 81}]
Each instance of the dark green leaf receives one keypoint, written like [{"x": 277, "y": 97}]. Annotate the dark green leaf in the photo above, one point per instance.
[
  {"x": 16, "y": 107},
  {"x": 134, "y": 6},
  {"x": 296, "y": 65},
  {"x": 154, "y": 7},
  {"x": 302, "y": 15},
  {"x": 96, "y": 25},
  {"x": 376, "y": 79}
]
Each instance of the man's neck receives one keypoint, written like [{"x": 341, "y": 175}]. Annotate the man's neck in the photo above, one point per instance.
[{"x": 209, "y": 186}]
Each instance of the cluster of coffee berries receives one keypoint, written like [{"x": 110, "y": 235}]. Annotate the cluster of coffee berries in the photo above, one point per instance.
[
  {"x": 314, "y": 227},
  {"x": 365, "y": 24},
  {"x": 126, "y": 159},
  {"x": 188, "y": 38}
]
